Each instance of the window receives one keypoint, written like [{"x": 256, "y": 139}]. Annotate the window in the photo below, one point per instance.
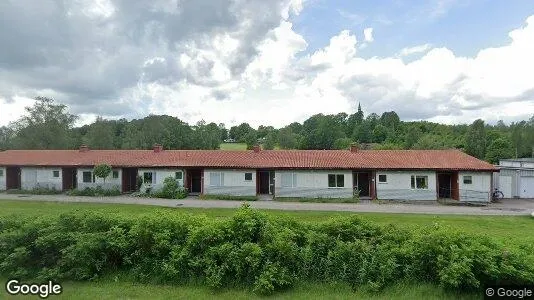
[
  {"x": 178, "y": 175},
  {"x": 336, "y": 180},
  {"x": 147, "y": 177},
  {"x": 382, "y": 178},
  {"x": 216, "y": 179},
  {"x": 248, "y": 176},
  {"x": 1, "y": 173},
  {"x": 55, "y": 174},
  {"x": 115, "y": 174},
  {"x": 419, "y": 182},
  {"x": 468, "y": 179},
  {"x": 289, "y": 180},
  {"x": 87, "y": 177}
]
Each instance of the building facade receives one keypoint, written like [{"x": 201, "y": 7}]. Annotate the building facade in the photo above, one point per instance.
[
  {"x": 516, "y": 178},
  {"x": 367, "y": 174}
]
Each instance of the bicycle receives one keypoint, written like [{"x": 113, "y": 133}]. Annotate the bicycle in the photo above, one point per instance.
[{"x": 497, "y": 195}]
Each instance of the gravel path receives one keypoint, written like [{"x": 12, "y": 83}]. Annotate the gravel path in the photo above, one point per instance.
[{"x": 508, "y": 207}]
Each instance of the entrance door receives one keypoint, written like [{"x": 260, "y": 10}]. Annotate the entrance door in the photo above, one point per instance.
[
  {"x": 194, "y": 179},
  {"x": 266, "y": 182},
  {"x": 13, "y": 178},
  {"x": 129, "y": 180},
  {"x": 361, "y": 181},
  {"x": 69, "y": 178},
  {"x": 444, "y": 185}
]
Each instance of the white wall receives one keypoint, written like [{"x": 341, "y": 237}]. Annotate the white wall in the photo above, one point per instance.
[
  {"x": 478, "y": 190},
  {"x": 40, "y": 177},
  {"x": 158, "y": 176},
  {"x": 110, "y": 182},
  {"x": 398, "y": 186},
  {"x": 314, "y": 184},
  {"x": 505, "y": 186},
  {"x": 3, "y": 179},
  {"x": 234, "y": 183}
]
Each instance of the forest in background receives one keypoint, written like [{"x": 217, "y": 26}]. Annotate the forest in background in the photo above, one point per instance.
[{"x": 49, "y": 125}]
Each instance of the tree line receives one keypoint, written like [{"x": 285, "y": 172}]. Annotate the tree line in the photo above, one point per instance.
[{"x": 49, "y": 125}]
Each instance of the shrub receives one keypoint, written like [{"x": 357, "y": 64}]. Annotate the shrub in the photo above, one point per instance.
[
  {"x": 36, "y": 191},
  {"x": 102, "y": 171},
  {"x": 95, "y": 192},
  {"x": 171, "y": 190},
  {"x": 264, "y": 254}
]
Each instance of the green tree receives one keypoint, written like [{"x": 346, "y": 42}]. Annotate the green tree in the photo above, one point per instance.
[
  {"x": 102, "y": 171},
  {"x": 499, "y": 149},
  {"x": 270, "y": 141},
  {"x": 101, "y": 135},
  {"x": 46, "y": 125},
  {"x": 380, "y": 133},
  {"x": 251, "y": 139},
  {"x": 287, "y": 139},
  {"x": 475, "y": 143},
  {"x": 342, "y": 143}
]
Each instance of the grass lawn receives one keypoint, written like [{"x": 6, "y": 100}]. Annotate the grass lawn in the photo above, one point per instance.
[
  {"x": 504, "y": 227},
  {"x": 108, "y": 289},
  {"x": 233, "y": 146}
]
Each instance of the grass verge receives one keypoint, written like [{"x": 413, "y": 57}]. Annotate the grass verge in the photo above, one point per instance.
[
  {"x": 318, "y": 200},
  {"x": 228, "y": 197}
]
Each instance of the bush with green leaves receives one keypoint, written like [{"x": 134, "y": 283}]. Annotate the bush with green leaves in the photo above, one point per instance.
[
  {"x": 95, "y": 192},
  {"x": 252, "y": 250},
  {"x": 102, "y": 171},
  {"x": 171, "y": 190}
]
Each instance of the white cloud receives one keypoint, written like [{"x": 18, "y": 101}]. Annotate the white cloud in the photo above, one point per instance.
[
  {"x": 280, "y": 83},
  {"x": 414, "y": 50},
  {"x": 368, "y": 35}
]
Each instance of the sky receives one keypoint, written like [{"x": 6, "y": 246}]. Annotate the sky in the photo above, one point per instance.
[{"x": 269, "y": 62}]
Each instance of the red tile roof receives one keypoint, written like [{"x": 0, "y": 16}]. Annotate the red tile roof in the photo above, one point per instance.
[{"x": 279, "y": 159}]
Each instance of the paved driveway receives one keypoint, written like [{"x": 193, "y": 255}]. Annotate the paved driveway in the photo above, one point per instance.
[{"x": 507, "y": 207}]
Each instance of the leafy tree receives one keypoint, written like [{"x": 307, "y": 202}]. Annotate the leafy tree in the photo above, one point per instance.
[
  {"x": 342, "y": 143},
  {"x": 251, "y": 139},
  {"x": 287, "y": 139},
  {"x": 390, "y": 119},
  {"x": 270, "y": 141},
  {"x": 100, "y": 135},
  {"x": 412, "y": 136},
  {"x": 102, "y": 171},
  {"x": 46, "y": 125},
  {"x": 240, "y": 132},
  {"x": 380, "y": 133},
  {"x": 499, "y": 149},
  {"x": 476, "y": 139}
]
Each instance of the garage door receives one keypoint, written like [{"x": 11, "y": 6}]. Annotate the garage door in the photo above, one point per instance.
[
  {"x": 527, "y": 187},
  {"x": 505, "y": 185}
]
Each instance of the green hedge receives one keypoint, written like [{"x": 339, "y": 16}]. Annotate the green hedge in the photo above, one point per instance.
[
  {"x": 36, "y": 191},
  {"x": 97, "y": 191},
  {"x": 265, "y": 254}
]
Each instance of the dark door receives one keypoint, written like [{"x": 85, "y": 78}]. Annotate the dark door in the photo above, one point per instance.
[
  {"x": 195, "y": 179},
  {"x": 12, "y": 178},
  {"x": 444, "y": 185},
  {"x": 69, "y": 178},
  {"x": 363, "y": 184},
  {"x": 265, "y": 182},
  {"x": 129, "y": 180}
]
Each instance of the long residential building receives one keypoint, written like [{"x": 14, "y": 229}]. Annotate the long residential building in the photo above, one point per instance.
[{"x": 372, "y": 174}]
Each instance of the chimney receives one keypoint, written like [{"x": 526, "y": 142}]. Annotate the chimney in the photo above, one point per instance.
[
  {"x": 84, "y": 148},
  {"x": 354, "y": 147},
  {"x": 256, "y": 148},
  {"x": 158, "y": 148}
]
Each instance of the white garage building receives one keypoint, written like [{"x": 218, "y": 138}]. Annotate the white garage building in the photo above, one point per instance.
[{"x": 516, "y": 178}]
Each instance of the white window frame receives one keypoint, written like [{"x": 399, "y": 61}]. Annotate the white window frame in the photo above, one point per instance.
[
  {"x": 293, "y": 180},
  {"x": 414, "y": 177},
  {"x": 54, "y": 174},
  {"x": 181, "y": 175},
  {"x": 113, "y": 174},
  {"x": 336, "y": 182},
  {"x": 470, "y": 179},
  {"x": 382, "y": 181},
  {"x": 220, "y": 181},
  {"x": 251, "y": 177},
  {"x": 1, "y": 172}
]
